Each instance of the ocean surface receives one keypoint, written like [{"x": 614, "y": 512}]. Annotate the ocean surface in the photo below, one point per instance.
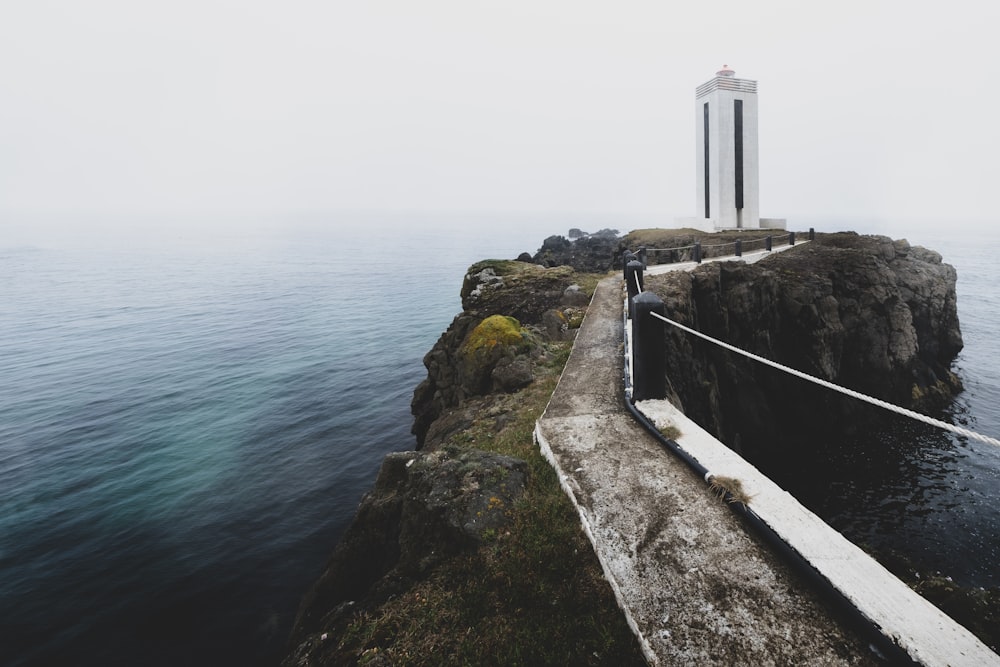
[
  {"x": 187, "y": 425},
  {"x": 923, "y": 499}
]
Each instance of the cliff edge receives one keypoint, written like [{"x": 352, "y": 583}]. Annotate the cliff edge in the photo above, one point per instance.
[
  {"x": 467, "y": 550},
  {"x": 868, "y": 313}
]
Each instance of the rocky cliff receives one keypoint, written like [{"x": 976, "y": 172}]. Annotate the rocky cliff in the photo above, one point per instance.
[
  {"x": 476, "y": 554},
  {"x": 549, "y": 304},
  {"x": 865, "y": 312},
  {"x": 423, "y": 509},
  {"x": 467, "y": 551}
]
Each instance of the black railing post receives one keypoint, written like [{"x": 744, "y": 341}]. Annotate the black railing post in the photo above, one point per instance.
[
  {"x": 812, "y": 234},
  {"x": 791, "y": 238},
  {"x": 767, "y": 243},
  {"x": 642, "y": 256},
  {"x": 696, "y": 253},
  {"x": 627, "y": 257},
  {"x": 739, "y": 247},
  {"x": 633, "y": 281},
  {"x": 649, "y": 352}
]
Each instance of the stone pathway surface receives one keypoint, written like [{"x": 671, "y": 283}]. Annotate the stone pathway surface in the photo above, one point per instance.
[{"x": 697, "y": 585}]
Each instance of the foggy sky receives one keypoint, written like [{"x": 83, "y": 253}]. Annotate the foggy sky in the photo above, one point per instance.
[{"x": 867, "y": 109}]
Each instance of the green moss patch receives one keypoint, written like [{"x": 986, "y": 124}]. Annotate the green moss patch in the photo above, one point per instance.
[
  {"x": 501, "y": 267},
  {"x": 495, "y": 330}
]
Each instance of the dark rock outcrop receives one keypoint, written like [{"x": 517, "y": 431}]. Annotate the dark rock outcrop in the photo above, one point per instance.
[
  {"x": 511, "y": 373},
  {"x": 428, "y": 507},
  {"x": 424, "y": 508},
  {"x": 522, "y": 291},
  {"x": 867, "y": 313},
  {"x": 603, "y": 250},
  {"x": 595, "y": 253},
  {"x": 458, "y": 368}
]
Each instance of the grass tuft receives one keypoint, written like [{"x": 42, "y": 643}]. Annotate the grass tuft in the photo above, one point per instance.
[
  {"x": 729, "y": 488},
  {"x": 670, "y": 431}
]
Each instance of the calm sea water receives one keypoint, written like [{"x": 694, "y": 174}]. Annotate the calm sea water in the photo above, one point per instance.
[
  {"x": 187, "y": 427},
  {"x": 920, "y": 497}
]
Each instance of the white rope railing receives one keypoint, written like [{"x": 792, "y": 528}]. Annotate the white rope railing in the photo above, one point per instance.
[
  {"x": 843, "y": 390},
  {"x": 747, "y": 244},
  {"x": 825, "y": 383},
  {"x": 682, "y": 247}
]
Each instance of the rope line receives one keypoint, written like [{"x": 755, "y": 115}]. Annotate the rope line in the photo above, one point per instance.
[
  {"x": 843, "y": 390},
  {"x": 827, "y": 384},
  {"x": 682, "y": 247},
  {"x": 720, "y": 245}
]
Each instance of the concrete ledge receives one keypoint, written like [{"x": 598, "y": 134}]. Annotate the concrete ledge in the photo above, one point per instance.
[
  {"x": 927, "y": 635},
  {"x": 608, "y": 564}
]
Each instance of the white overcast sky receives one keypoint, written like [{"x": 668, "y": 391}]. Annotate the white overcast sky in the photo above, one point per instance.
[{"x": 868, "y": 109}]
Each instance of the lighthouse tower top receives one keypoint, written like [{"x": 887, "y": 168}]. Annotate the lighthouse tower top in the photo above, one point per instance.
[{"x": 725, "y": 79}]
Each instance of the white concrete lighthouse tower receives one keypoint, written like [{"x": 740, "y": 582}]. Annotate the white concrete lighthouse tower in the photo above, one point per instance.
[{"x": 727, "y": 163}]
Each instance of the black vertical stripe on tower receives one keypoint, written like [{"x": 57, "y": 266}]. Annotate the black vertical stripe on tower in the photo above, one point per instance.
[
  {"x": 707, "y": 210},
  {"x": 738, "y": 152}
]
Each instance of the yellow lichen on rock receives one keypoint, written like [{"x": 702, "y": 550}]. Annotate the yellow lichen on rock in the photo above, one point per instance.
[{"x": 493, "y": 331}]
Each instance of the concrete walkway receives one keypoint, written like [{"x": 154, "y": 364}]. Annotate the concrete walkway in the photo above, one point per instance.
[{"x": 696, "y": 585}]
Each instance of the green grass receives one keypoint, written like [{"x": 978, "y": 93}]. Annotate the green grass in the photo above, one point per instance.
[
  {"x": 533, "y": 594},
  {"x": 588, "y": 281},
  {"x": 501, "y": 267}
]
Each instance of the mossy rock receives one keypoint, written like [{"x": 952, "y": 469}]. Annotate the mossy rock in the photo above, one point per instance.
[
  {"x": 523, "y": 291},
  {"x": 490, "y": 272},
  {"x": 495, "y": 330},
  {"x": 501, "y": 267},
  {"x": 496, "y": 338}
]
